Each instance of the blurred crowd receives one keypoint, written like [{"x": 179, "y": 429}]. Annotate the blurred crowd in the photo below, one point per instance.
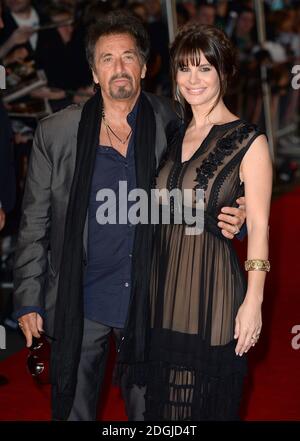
[{"x": 42, "y": 47}]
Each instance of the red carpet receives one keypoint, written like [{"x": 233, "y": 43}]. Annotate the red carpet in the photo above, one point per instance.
[{"x": 272, "y": 391}]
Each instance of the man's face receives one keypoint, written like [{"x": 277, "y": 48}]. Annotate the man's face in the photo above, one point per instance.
[
  {"x": 206, "y": 15},
  {"x": 153, "y": 7},
  {"x": 17, "y": 6},
  {"x": 118, "y": 68},
  {"x": 246, "y": 22},
  {"x": 67, "y": 30}
]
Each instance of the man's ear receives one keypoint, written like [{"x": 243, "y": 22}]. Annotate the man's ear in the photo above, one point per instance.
[
  {"x": 96, "y": 81},
  {"x": 144, "y": 70}
]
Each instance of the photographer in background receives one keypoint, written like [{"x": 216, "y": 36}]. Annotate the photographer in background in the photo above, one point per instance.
[
  {"x": 19, "y": 18},
  {"x": 7, "y": 175},
  {"x": 22, "y": 22}
]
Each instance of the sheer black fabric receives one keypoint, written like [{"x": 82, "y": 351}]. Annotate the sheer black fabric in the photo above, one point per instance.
[{"x": 197, "y": 286}]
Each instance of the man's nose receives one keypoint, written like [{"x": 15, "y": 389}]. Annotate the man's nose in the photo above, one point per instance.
[{"x": 119, "y": 65}]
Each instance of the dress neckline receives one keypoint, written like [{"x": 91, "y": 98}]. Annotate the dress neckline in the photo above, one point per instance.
[{"x": 205, "y": 140}]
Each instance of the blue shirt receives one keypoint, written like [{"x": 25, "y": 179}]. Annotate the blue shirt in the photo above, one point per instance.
[{"x": 107, "y": 279}]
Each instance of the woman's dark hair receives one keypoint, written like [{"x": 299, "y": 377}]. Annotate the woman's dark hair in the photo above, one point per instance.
[
  {"x": 118, "y": 22},
  {"x": 191, "y": 40}
]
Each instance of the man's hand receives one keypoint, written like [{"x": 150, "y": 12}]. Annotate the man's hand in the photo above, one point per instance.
[
  {"x": 16, "y": 56},
  {"x": 21, "y": 35},
  {"x": 31, "y": 325},
  {"x": 231, "y": 219},
  {"x": 2, "y": 219}
]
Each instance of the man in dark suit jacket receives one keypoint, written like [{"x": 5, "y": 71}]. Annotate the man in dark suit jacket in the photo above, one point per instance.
[{"x": 73, "y": 276}]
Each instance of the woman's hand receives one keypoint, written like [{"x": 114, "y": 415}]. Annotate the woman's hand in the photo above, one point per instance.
[{"x": 248, "y": 324}]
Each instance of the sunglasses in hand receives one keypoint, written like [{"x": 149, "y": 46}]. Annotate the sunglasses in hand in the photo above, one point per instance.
[{"x": 38, "y": 360}]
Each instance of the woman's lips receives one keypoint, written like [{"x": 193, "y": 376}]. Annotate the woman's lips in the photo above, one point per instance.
[{"x": 196, "y": 91}]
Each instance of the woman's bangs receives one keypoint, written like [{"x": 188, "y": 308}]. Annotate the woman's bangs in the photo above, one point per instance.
[{"x": 189, "y": 53}]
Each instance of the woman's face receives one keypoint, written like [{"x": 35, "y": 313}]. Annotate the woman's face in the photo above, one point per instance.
[{"x": 199, "y": 85}]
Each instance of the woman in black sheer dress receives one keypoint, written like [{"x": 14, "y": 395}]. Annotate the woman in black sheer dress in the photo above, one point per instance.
[{"x": 203, "y": 316}]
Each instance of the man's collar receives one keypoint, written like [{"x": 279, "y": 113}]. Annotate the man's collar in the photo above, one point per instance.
[{"x": 131, "y": 117}]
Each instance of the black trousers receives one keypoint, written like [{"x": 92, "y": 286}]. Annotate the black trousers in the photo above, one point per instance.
[{"x": 94, "y": 351}]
